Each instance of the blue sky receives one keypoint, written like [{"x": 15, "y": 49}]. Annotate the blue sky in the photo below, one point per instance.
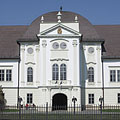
[{"x": 23, "y": 12}]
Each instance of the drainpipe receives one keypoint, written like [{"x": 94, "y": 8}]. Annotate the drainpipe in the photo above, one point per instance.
[
  {"x": 103, "y": 77},
  {"x": 103, "y": 82},
  {"x": 18, "y": 88}
]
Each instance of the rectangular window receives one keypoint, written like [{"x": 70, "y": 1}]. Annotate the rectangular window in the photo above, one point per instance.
[
  {"x": 118, "y": 97},
  {"x": 8, "y": 75},
  {"x": 2, "y": 75},
  {"x": 29, "y": 98},
  {"x": 118, "y": 75},
  {"x": 112, "y": 75},
  {"x": 91, "y": 98}
]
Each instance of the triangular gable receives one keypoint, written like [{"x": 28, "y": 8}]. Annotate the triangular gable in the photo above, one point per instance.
[{"x": 65, "y": 30}]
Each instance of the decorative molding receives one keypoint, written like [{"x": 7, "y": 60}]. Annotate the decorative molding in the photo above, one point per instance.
[
  {"x": 60, "y": 36},
  {"x": 30, "y": 63},
  {"x": 22, "y": 48},
  {"x": 29, "y": 83},
  {"x": 59, "y": 59},
  {"x": 44, "y": 43},
  {"x": 98, "y": 48},
  {"x": 84, "y": 48},
  {"x": 59, "y": 39},
  {"x": 44, "y": 89},
  {"x": 91, "y": 63},
  {"x": 74, "y": 43},
  {"x": 37, "y": 48},
  {"x": 43, "y": 33}
]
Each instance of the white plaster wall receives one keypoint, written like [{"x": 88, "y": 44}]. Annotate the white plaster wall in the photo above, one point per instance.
[
  {"x": 12, "y": 64},
  {"x": 43, "y": 95},
  {"x": 111, "y": 96},
  {"x": 29, "y": 60},
  {"x": 113, "y": 64},
  {"x": 93, "y": 60},
  {"x": 97, "y": 93},
  {"x": 10, "y": 95},
  {"x": 41, "y": 62}
]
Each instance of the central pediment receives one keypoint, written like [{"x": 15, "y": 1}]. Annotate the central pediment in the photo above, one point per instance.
[{"x": 59, "y": 30}]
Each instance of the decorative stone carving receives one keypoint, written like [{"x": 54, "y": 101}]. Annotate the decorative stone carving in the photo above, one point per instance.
[
  {"x": 98, "y": 48},
  {"x": 74, "y": 43},
  {"x": 42, "y": 19},
  {"x": 22, "y": 48},
  {"x": 59, "y": 17},
  {"x": 76, "y": 19},
  {"x": 44, "y": 43},
  {"x": 59, "y": 59},
  {"x": 38, "y": 48}
]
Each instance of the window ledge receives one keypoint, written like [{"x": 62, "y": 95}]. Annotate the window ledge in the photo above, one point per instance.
[
  {"x": 6, "y": 81},
  {"x": 29, "y": 83},
  {"x": 91, "y": 83},
  {"x": 59, "y": 82}
]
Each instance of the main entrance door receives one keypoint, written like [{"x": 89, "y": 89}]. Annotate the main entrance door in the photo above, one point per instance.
[{"x": 59, "y": 102}]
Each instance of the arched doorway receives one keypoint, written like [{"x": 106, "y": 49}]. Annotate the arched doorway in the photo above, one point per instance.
[{"x": 59, "y": 102}]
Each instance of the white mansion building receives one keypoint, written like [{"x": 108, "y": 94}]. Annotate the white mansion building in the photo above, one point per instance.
[{"x": 60, "y": 55}]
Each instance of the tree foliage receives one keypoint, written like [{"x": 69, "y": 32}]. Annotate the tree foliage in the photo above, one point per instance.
[{"x": 2, "y": 100}]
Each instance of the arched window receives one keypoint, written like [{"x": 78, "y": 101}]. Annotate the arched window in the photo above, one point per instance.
[
  {"x": 63, "y": 72},
  {"x": 29, "y": 74},
  {"x": 91, "y": 74},
  {"x": 55, "y": 72}
]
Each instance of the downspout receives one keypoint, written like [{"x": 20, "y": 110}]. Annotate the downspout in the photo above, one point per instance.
[
  {"x": 103, "y": 82},
  {"x": 18, "y": 91},
  {"x": 80, "y": 75},
  {"x": 103, "y": 79}
]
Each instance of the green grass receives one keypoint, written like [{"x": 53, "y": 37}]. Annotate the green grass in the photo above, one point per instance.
[
  {"x": 111, "y": 110},
  {"x": 10, "y": 110},
  {"x": 60, "y": 117}
]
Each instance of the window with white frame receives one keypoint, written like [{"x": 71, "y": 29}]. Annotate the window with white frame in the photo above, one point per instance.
[
  {"x": 55, "y": 72},
  {"x": 29, "y": 98},
  {"x": 2, "y": 75},
  {"x": 91, "y": 98},
  {"x": 118, "y": 75},
  {"x": 5, "y": 74},
  {"x": 118, "y": 97},
  {"x": 115, "y": 75},
  {"x": 30, "y": 74},
  {"x": 8, "y": 75},
  {"x": 112, "y": 75},
  {"x": 90, "y": 74},
  {"x": 63, "y": 72}
]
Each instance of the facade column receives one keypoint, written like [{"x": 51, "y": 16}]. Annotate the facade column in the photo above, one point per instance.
[
  {"x": 22, "y": 64},
  {"x": 49, "y": 97},
  {"x": 44, "y": 44},
  {"x": 75, "y": 62},
  {"x": 37, "y": 65},
  {"x": 99, "y": 64}
]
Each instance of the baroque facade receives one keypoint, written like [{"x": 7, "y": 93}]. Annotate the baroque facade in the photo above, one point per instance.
[{"x": 60, "y": 56}]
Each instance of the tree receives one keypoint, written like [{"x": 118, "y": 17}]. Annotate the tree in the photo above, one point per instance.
[{"x": 2, "y": 100}]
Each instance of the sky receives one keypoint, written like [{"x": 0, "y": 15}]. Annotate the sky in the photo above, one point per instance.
[{"x": 23, "y": 12}]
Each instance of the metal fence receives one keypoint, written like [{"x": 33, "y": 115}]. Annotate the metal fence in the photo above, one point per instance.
[{"x": 47, "y": 112}]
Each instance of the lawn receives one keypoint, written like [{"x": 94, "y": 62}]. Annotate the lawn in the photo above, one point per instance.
[
  {"x": 111, "y": 110},
  {"x": 36, "y": 116},
  {"x": 10, "y": 110}
]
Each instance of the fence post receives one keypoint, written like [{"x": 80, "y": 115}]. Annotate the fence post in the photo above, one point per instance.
[
  {"x": 46, "y": 110},
  {"x": 19, "y": 111},
  {"x": 101, "y": 100},
  {"x": 19, "y": 103},
  {"x": 74, "y": 100}
]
